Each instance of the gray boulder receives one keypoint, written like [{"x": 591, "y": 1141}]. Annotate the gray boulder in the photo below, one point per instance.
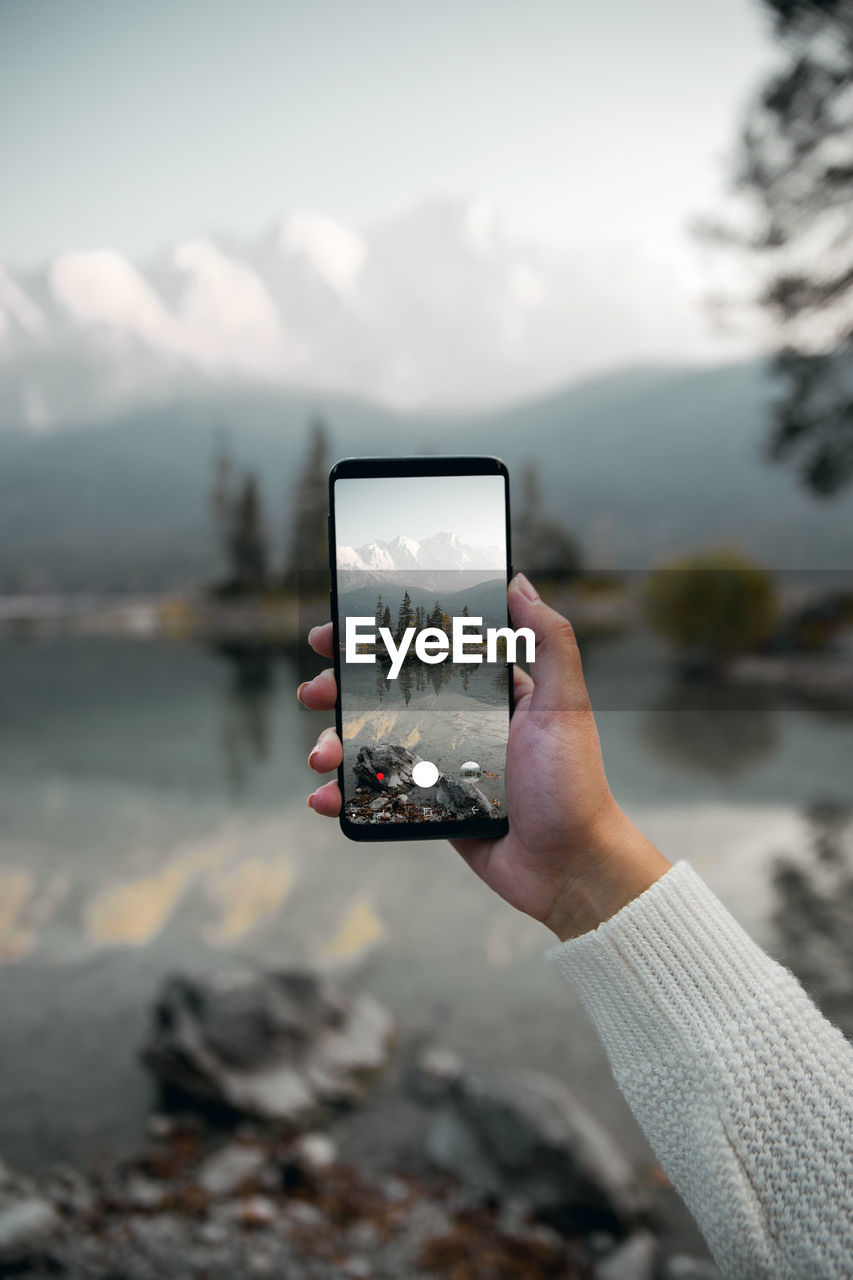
[
  {"x": 525, "y": 1135},
  {"x": 275, "y": 1045},
  {"x": 395, "y": 763},
  {"x": 27, "y": 1226},
  {"x": 462, "y": 799}
]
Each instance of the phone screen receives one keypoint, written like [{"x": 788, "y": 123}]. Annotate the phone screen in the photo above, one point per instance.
[{"x": 420, "y": 570}]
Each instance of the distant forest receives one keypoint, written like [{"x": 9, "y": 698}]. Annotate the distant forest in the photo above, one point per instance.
[
  {"x": 417, "y": 617},
  {"x": 249, "y": 566}
]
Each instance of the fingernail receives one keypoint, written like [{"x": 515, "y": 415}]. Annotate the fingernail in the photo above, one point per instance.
[
  {"x": 314, "y": 751},
  {"x": 299, "y": 690},
  {"x": 527, "y": 588},
  {"x": 309, "y": 799},
  {"x": 311, "y": 633}
]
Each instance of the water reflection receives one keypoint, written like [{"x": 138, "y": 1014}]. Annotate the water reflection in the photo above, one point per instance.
[
  {"x": 814, "y": 912},
  {"x": 712, "y": 729},
  {"x": 487, "y": 682},
  {"x": 247, "y": 720}
]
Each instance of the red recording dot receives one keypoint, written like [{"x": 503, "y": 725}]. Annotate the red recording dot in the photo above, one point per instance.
[{"x": 381, "y": 776}]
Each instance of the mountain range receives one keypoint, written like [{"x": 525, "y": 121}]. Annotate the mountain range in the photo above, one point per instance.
[
  {"x": 439, "y": 307},
  {"x": 441, "y": 551},
  {"x": 639, "y": 465}
]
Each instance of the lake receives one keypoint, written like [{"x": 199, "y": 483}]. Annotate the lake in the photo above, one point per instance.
[{"x": 153, "y": 818}]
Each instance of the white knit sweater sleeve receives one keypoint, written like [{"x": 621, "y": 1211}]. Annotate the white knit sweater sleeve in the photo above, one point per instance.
[{"x": 741, "y": 1086}]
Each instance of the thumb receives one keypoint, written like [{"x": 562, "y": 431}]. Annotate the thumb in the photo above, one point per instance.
[{"x": 556, "y": 668}]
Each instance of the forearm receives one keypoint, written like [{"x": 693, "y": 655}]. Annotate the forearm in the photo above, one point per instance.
[
  {"x": 743, "y": 1089},
  {"x": 615, "y": 864}
]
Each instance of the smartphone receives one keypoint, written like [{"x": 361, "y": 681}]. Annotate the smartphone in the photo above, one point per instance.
[{"x": 419, "y": 551}]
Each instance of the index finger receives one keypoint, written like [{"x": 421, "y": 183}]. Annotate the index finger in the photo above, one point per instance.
[{"x": 320, "y": 640}]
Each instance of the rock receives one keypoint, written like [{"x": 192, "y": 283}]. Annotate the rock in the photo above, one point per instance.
[
  {"x": 160, "y": 1235},
  {"x": 394, "y": 763},
  {"x": 27, "y": 1224},
  {"x": 305, "y": 1159},
  {"x": 357, "y": 1267},
  {"x": 314, "y": 1150},
  {"x": 525, "y": 1135},
  {"x": 682, "y": 1267},
  {"x": 69, "y": 1191},
  {"x": 634, "y": 1260},
  {"x": 213, "y": 1232},
  {"x": 395, "y": 1190},
  {"x": 272, "y": 1045},
  {"x": 160, "y": 1127},
  {"x": 257, "y": 1211},
  {"x": 302, "y": 1214},
  {"x": 435, "y": 1070},
  {"x": 363, "y": 1236},
  {"x": 144, "y": 1193},
  {"x": 226, "y": 1170},
  {"x": 462, "y": 799}
]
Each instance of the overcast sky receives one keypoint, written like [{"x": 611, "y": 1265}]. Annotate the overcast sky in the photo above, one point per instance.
[
  {"x": 130, "y": 124},
  {"x": 386, "y": 508}
]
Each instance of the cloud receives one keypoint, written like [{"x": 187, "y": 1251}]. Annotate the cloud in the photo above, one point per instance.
[
  {"x": 16, "y": 306},
  {"x": 227, "y": 315},
  {"x": 335, "y": 252},
  {"x": 102, "y": 287}
]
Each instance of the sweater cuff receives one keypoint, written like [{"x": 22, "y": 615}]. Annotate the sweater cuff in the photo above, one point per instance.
[{"x": 672, "y": 960}]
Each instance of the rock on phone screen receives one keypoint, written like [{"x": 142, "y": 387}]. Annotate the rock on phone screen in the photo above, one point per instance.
[{"x": 421, "y": 564}]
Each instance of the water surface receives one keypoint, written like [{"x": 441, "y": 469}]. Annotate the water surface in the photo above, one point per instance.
[{"x": 152, "y": 817}]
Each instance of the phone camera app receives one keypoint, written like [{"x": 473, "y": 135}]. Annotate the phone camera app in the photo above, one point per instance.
[{"x": 424, "y": 646}]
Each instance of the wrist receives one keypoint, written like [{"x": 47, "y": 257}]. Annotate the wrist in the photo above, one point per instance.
[{"x": 620, "y": 863}]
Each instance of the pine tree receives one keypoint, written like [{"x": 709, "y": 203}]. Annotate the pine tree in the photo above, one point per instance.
[
  {"x": 247, "y": 544},
  {"x": 379, "y": 612},
  {"x": 309, "y": 544},
  {"x": 386, "y": 617},
  {"x": 404, "y": 617},
  {"x": 436, "y": 616},
  {"x": 222, "y": 496},
  {"x": 796, "y": 172},
  {"x": 541, "y": 544}
]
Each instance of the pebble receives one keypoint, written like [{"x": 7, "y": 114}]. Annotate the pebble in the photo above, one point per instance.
[
  {"x": 363, "y": 1235},
  {"x": 160, "y": 1126},
  {"x": 226, "y": 1170},
  {"x": 258, "y": 1211},
  {"x": 303, "y": 1214},
  {"x": 213, "y": 1232},
  {"x": 395, "y": 1189},
  {"x": 314, "y": 1151},
  {"x": 143, "y": 1193},
  {"x": 358, "y": 1268}
]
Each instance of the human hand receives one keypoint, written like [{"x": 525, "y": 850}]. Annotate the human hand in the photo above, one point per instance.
[{"x": 571, "y": 857}]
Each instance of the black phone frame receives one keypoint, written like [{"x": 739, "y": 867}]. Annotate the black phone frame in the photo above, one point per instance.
[{"x": 425, "y": 465}]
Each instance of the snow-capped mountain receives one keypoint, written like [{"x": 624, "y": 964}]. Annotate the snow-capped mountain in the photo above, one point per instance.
[
  {"x": 441, "y": 556},
  {"x": 440, "y": 307}
]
